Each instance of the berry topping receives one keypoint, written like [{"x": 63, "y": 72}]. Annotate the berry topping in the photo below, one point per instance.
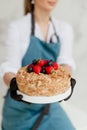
[
  {"x": 41, "y": 62},
  {"x": 43, "y": 71},
  {"x": 34, "y": 62},
  {"x": 49, "y": 69},
  {"x": 30, "y": 68},
  {"x": 42, "y": 66},
  {"x": 55, "y": 65},
  {"x": 46, "y": 62},
  {"x": 50, "y": 62},
  {"x": 31, "y": 65},
  {"x": 37, "y": 69}
]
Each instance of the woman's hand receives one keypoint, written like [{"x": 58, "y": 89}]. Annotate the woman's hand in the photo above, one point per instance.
[
  {"x": 7, "y": 78},
  {"x": 67, "y": 68}
]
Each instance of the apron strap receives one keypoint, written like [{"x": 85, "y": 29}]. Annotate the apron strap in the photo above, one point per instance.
[
  {"x": 33, "y": 28},
  {"x": 55, "y": 33},
  {"x": 45, "y": 111},
  {"x": 57, "y": 38},
  {"x": 32, "y": 24}
]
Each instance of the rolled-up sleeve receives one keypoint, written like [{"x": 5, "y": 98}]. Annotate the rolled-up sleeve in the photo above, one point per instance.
[
  {"x": 66, "y": 40},
  {"x": 12, "y": 60}
]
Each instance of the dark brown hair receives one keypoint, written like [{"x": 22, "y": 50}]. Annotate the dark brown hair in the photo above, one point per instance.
[{"x": 28, "y": 6}]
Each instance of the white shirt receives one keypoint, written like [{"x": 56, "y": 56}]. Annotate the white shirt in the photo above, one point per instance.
[{"x": 18, "y": 39}]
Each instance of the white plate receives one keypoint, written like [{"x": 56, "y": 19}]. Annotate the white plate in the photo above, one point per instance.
[{"x": 45, "y": 99}]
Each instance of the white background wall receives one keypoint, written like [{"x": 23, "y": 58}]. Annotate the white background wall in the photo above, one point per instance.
[
  {"x": 75, "y": 12},
  {"x": 71, "y": 11}
]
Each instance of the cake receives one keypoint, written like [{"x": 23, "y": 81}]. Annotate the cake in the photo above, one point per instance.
[{"x": 43, "y": 78}]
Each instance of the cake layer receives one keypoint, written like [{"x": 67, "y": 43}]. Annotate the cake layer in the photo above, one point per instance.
[{"x": 34, "y": 84}]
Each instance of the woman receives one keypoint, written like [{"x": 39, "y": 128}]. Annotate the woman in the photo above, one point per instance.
[{"x": 36, "y": 35}]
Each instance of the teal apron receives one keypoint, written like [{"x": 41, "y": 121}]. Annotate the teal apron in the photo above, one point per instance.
[{"x": 23, "y": 116}]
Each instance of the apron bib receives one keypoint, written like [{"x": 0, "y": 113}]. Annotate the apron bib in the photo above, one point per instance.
[
  {"x": 39, "y": 49},
  {"x": 23, "y": 116}
]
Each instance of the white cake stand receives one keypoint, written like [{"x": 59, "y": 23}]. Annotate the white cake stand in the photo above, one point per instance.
[{"x": 45, "y": 99}]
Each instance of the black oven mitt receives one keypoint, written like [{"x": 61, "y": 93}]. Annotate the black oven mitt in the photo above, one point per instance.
[
  {"x": 73, "y": 82},
  {"x": 13, "y": 90}
]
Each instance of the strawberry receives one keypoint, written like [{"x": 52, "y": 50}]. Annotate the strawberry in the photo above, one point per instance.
[
  {"x": 41, "y": 62},
  {"x": 46, "y": 62},
  {"x": 55, "y": 65},
  {"x": 37, "y": 69},
  {"x": 49, "y": 69}
]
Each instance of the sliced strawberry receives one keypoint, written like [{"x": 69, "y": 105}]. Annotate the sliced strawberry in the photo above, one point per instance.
[
  {"x": 37, "y": 69},
  {"x": 55, "y": 65},
  {"x": 49, "y": 69}
]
